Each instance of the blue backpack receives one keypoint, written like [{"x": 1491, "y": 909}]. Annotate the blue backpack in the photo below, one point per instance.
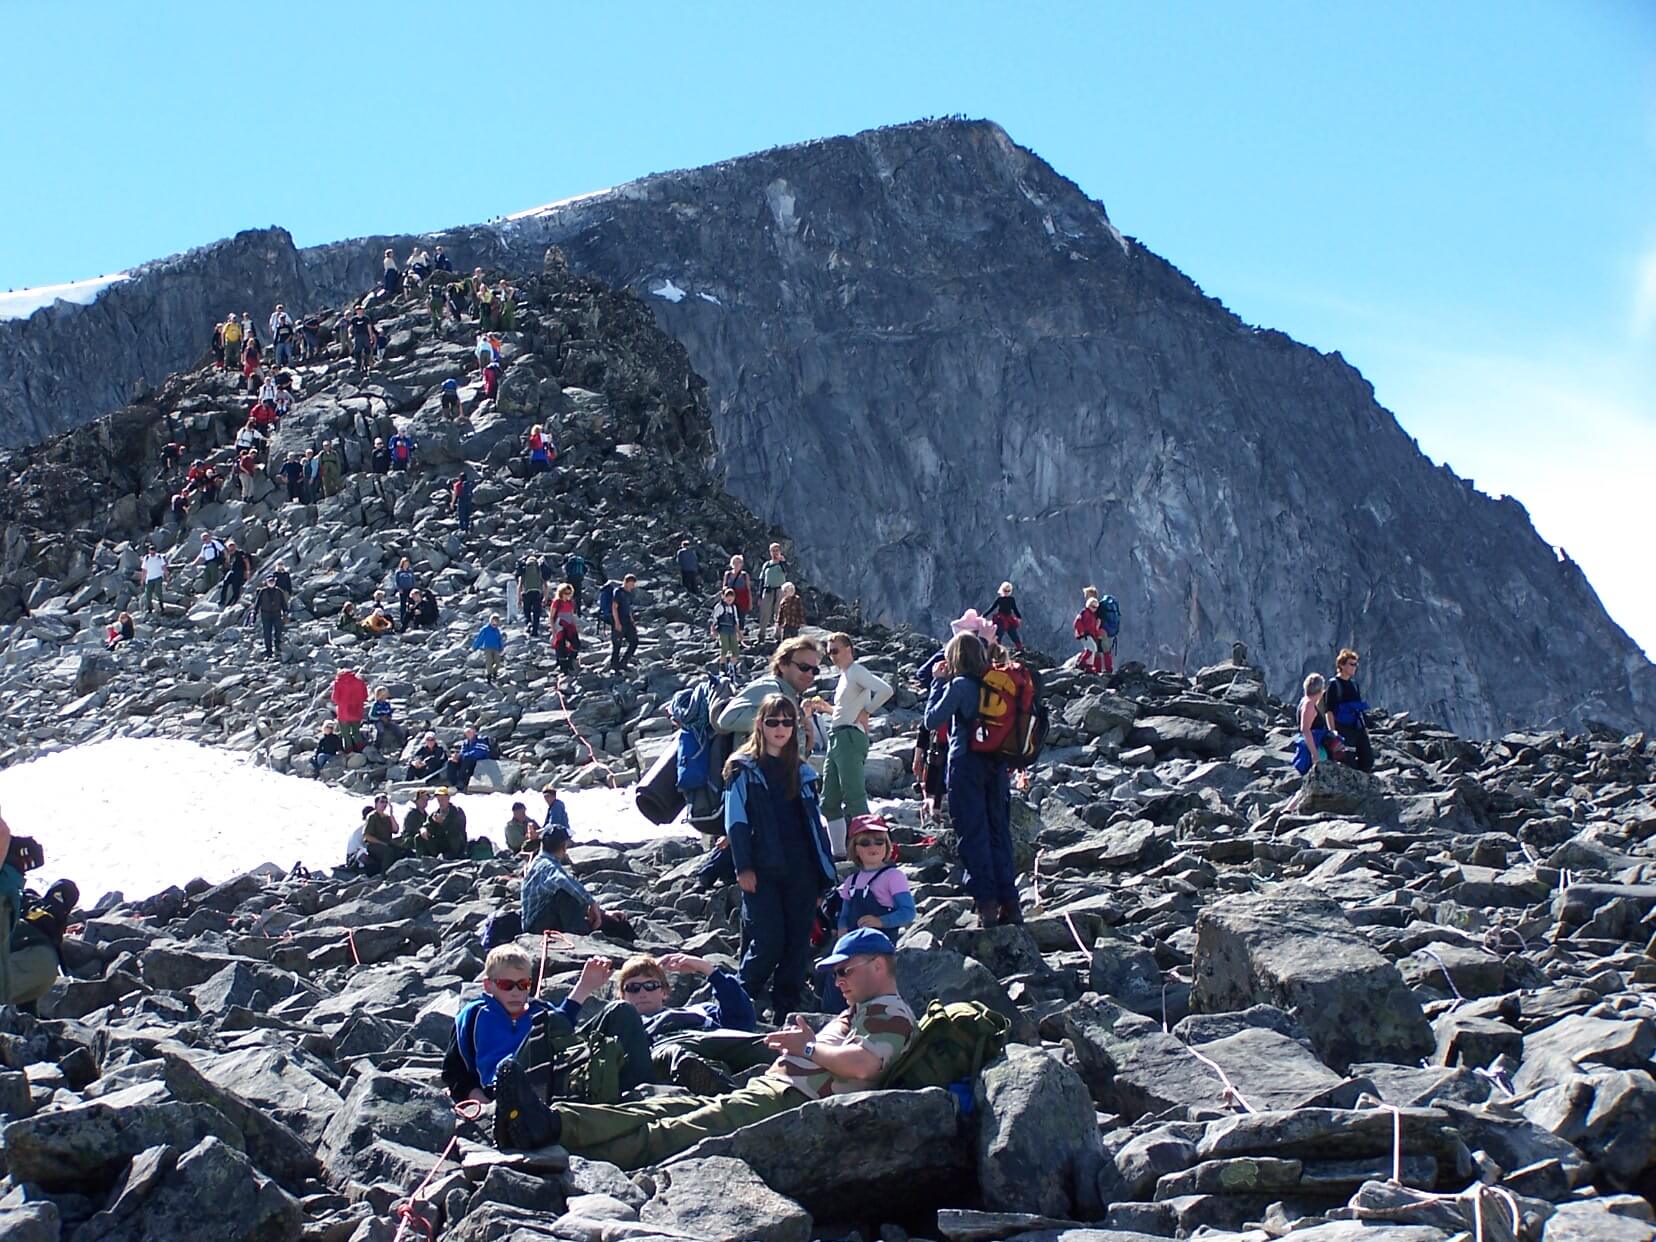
[
  {"x": 1109, "y": 612},
  {"x": 606, "y": 603}
]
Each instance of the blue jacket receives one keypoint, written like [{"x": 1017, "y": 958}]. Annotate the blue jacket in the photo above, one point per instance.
[
  {"x": 954, "y": 703},
  {"x": 731, "y": 1009},
  {"x": 687, "y": 560},
  {"x": 485, "y": 1035},
  {"x": 557, "y": 815},
  {"x": 489, "y": 638},
  {"x": 754, "y": 845}
]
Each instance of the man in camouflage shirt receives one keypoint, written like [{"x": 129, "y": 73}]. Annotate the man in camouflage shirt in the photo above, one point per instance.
[{"x": 849, "y": 1054}]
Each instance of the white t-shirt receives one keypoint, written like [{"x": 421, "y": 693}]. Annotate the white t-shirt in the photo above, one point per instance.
[
  {"x": 859, "y": 690},
  {"x": 155, "y": 566}
]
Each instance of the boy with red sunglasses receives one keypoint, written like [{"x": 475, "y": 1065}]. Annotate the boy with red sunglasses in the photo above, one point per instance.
[{"x": 493, "y": 1027}]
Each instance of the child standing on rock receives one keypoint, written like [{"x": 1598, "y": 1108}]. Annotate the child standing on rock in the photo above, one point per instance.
[{"x": 1008, "y": 620}]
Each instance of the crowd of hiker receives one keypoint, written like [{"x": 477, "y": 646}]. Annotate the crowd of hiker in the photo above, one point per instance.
[{"x": 773, "y": 772}]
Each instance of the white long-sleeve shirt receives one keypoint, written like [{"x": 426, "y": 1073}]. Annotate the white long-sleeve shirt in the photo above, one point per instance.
[{"x": 859, "y": 691}]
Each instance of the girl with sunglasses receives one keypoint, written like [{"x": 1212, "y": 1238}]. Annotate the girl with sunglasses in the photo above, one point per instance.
[{"x": 773, "y": 821}]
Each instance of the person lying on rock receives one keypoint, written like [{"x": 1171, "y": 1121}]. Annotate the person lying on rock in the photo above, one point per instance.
[
  {"x": 492, "y": 1028},
  {"x": 428, "y": 760},
  {"x": 669, "y": 1032},
  {"x": 849, "y": 1054}
]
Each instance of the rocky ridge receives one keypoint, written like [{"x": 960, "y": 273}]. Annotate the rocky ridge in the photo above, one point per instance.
[
  {"x": 927, "y": 312},
  {"x": 1241, "y": 1001}
]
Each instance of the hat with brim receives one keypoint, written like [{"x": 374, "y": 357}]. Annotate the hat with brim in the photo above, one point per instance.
[{"x": 860, "y": 942}]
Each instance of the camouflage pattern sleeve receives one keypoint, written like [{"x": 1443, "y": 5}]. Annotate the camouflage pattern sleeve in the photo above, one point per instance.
[{"x": 883, "y": 1026}]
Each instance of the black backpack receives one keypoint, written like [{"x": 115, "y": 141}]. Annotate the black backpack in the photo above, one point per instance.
[{"x": 25, "y": 854}]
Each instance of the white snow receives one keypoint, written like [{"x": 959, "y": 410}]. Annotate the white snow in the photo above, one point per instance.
[
  {"x": 669, "y": 291},
  {"x": 140, "y": 814},
  {"x": 21, "y": 303},
  {"x": 708, "y": 297},
  {"x": 562, "y": 202}
]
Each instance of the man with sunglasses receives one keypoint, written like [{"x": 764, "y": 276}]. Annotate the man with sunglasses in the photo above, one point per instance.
[
  {"x": 793, "y": 670},
  {"x": 849, "y": 1054}
]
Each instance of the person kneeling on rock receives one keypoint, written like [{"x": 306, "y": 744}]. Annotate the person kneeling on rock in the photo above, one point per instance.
[
  {"x": 491, "y": 1029},
  {"x": 37, "y": 943},
  {"x": 849, "y": 1054}
]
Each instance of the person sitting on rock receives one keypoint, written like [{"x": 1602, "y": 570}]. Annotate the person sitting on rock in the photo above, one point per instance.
[
  {"x": 422, "y": 609},
  {"x": 37, "y": 942},
  {"x": 376, "y": 849},
  {"x": 520, "y": 829},
  {"x": 389, "y": 736},
  {"x": 538, "y": 449},
  {"x": 122, "y": 631},
  {"x": 877, "y": 893},
  {"x": 488, "y": 1031},
  {"x": 414, "y": 822},
  {"x": 1345, "y": 708},
  {"x": 553, "y": 899},
  {"x": 557, "y": 813},
  {"x": 447, "y": 825},
  {"x": 849, "y": 1054},
  {"x": 1004, "y": 613},
  {"x": 348, "y": 622},
  {"x": 428, "y": 760},
  {"x": 376, "y": 624},
  {"x": 328, "y": 747},
  {"x": 790, "y": 612},
  {"x": 473, "y": 750},
  {"x": 492, "y": 643}
]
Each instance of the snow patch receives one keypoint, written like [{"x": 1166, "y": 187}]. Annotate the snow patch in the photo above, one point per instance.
[
  {"x": 141, "y": 814},
  {"x": 562, "y": 202},
  {"x": 668, "y": 291},
  {"x": 708, "y": 297},
  {"x": 21, "y": 303}
]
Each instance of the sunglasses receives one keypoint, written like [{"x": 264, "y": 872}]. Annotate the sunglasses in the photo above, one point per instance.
[
  {"x": 512, "y": 985},
  {"x": 841, "y": 971},
  {"x": 647, "y": 985},
  {"x": 812, "y": 669},
  {"x": 865, "y": 842},
  {"x": 779, "y": 722}
]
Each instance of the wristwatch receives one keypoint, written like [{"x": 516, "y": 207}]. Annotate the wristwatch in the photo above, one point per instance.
[{"x": 809, "y": 1050}]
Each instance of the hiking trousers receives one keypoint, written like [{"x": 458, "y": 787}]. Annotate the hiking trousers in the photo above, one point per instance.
[
  {"x": 768, "y": 599},
  {"x": 980, "y": 807},
  {"x": 212, "y": 571},
  {"x": 272, "y": 627},
  {"x": 529, "y": 603},
  {"x": 776, "y": 927},
  {"x": 350, "y": 734},
  {"x": 844, "y": 793},
  {"x": 33, "y": 971},
  {"x": 626, "y": 633},
  {"x": 647, "y": 1132},
  {"x": 1361, "y": 748}
]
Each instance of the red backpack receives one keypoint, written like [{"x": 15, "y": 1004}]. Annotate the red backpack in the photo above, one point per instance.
[{"x": 1011, "y": 723}]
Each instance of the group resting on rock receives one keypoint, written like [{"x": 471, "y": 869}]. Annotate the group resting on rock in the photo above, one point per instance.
[{"x": 649, "y": 1054}]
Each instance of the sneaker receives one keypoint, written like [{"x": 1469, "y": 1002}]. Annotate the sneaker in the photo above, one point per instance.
[
  {"x": 522, "y": 1120},
  {"x": 699, "y": 1077}
]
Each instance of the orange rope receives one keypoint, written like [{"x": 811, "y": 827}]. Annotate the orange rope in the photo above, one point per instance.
[{"x": 580, "y": 737}]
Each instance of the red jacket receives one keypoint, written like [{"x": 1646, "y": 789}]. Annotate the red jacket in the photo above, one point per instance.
[
  {"x": 262, "y": 414},
  {"x": 1087, "y": 624},
  {"x": 350, "y": 697}
]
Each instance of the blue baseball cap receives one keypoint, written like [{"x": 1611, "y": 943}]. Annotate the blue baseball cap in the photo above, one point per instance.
[{"x": 859, "y": 942}]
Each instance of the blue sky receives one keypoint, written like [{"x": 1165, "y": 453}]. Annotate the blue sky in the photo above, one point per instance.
[{"x": 1460, "y": 198}]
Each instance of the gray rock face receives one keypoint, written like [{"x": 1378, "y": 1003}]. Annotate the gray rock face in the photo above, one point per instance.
[
  {"x": 1038, "y": 1148},
  {"x": 721, "y": 1198},
  {"x": 954, "y": 318}
]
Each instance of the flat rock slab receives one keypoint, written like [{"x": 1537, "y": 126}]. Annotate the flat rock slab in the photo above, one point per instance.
[
  {"x": 1296, "y": 951},
  {"x": 1272, "y": 1071}
]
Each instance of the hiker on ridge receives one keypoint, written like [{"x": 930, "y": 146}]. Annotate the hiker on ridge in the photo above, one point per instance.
[{"x": 1343, "y": 702}]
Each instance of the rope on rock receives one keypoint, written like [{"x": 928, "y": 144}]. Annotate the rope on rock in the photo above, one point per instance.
[
  {"x": 581, "y": 737},
  {"x": 465, "y": 1110}
]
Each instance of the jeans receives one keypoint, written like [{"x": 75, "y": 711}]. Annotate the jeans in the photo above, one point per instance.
[
  {"x": 272, "y": 629},
  {"x": 385, "y": 730},
  {"x": 776, "y": 924},
  {"x": 284, "y": 353},
  {"x": 980, "y": 806},
  {"x": 626, "y": 632}
]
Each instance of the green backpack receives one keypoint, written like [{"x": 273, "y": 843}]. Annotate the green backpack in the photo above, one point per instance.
[
  {"x": 585, "y": 1066},
  {"x": 953, "y": 1043}
]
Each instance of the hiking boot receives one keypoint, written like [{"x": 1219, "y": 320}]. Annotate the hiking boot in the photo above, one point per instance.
[
  {"x": 989, "y": 913},
  {"x": 1010, "y": 914},
  {"x": 522, "y": 1121},
  {"x": 699, "y": 1077}
]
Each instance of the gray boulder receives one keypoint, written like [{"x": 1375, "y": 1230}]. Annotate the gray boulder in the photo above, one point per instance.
[
  {"x": 718, "y": 1197},
  {"x": 385, "y": 1106},
  {"x": 211, "y": 1191},
  {"x": 1037, "y": 1141},
  {"x": 1296, "y": 951}
]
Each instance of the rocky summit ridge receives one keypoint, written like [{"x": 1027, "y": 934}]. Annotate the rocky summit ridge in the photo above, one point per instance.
[
  {"x": 926, "y": 324},
  {"x": 1413, "y": 1007}
]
